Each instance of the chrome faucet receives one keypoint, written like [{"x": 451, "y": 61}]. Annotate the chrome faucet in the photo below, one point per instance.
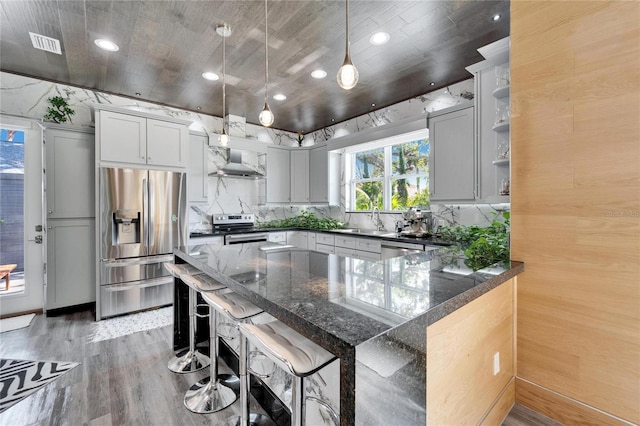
[{"x": 379, "y": 224}]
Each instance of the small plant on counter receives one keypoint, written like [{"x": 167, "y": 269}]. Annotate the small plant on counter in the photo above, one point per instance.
[
  {"x": 482, "y": 246},
  {"x": 305, "y": 219},
  {"x": 59, "y": 110}
]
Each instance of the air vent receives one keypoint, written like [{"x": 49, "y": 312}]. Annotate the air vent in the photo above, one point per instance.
[{"x": 45, "y": 43}]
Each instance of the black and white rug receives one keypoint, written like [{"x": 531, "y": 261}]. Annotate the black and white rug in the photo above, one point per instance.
[{"x": 19, "y": 379}]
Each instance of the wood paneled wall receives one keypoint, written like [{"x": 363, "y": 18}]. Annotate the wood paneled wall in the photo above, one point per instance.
[
  {"x": 575, "y": 157},
  {"x": 461, "y": 386}
]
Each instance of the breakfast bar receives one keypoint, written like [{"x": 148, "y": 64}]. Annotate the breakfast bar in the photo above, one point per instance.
[{"x": 352, "y": 307}]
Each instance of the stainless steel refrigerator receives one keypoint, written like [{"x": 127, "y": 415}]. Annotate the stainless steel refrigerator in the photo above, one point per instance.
[{"x": 142, "y": 218}]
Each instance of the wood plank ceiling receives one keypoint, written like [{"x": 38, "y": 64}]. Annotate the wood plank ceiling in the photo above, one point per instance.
[{"x": 165, "y": 46}]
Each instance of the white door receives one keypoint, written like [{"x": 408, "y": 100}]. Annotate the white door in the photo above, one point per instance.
[{"x": 30, "y": 296}]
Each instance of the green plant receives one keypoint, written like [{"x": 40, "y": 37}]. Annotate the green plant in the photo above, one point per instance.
[
  {"x": 482, "y": 246},
  {"x": 59, "y": 110},
  {"x": 305, "y": 219}
]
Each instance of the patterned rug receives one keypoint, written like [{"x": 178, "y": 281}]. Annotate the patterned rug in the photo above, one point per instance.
[
  {"x": 129, "y": 324},
  {"x": 19, "y": 379}
]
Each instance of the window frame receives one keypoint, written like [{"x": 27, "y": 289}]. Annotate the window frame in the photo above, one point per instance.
[{"x": 351, "y": 181}]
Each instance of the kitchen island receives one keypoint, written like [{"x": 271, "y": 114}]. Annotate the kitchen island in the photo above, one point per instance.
[{"x": 348, "y": 305}]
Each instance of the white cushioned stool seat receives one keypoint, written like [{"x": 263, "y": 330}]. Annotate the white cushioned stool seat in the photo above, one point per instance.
[
  {"x": 287, "y": 348},
  {"x": 232, "y": 304},
  {"x": 202, "y": 282},
  {"x": 181, "y": 269}
]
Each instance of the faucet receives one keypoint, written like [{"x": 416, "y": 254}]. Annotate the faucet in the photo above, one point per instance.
[{"x": 377, "y": 221}]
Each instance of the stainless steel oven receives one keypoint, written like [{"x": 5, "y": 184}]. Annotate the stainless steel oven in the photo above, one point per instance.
[
  {"x": 250, "y": 237},
  {"x": 236, "y": 228}
]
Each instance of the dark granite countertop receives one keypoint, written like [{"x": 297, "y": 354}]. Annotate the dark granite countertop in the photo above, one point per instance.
[
  {"x": 388, "y": 236},
  {"x": 342, "y": 302}
]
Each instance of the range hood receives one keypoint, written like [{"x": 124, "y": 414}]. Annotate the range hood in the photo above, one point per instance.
[{"x": 235, "y": 168}]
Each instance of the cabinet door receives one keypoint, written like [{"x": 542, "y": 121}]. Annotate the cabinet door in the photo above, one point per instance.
[
  {"x": 70, "y": 262},
  {"x": 319, "y": 175},
  {"x": 70, "y": 174},
  {"x": 298, "y": 239},
  {"x": 198, "y": 169},
  {"x": 167, "y": 144},
  {"x": 278, "y": 176},
  {"x": 123, "y": 138},
  {"x": 453, "y": 159},
  {"x": 300, "y": 176}
]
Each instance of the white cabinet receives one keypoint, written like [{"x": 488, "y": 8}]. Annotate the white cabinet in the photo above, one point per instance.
[
  {"x": 278, "y": 175},
  {"x": 298, "y": 239},
  {"x": 129, "y": 138},
  {"x": 277, "y": 237},
  {"x": 324, "y": 176},
  {"x": 491, "y": 79},
  {"x": 70, "y": 262},
  {"x": 311, "y": 240},
  {"x": 452, "y": 155},
  {"x": 299, "y": 176},
  {"x": 198, "y": 168},
  {"x": 69, "y": 173}
]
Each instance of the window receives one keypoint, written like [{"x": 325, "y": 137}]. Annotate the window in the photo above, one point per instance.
[{"x": 390, "y": 174}]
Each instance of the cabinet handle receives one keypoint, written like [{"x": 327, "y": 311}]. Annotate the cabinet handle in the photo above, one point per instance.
[
  {"x": 49, "y": 227},
  {"x": 50, "y": 211}
]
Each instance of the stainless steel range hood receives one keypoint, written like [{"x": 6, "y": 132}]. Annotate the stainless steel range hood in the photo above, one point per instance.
[{"x": 235, "y": 168}]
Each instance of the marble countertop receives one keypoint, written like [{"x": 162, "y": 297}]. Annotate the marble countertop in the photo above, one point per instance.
[{"x": 342, "y": 302}]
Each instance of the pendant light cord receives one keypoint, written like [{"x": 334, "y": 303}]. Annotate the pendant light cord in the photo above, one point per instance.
[
  {"x": 347, "y": 15},
  {"x": 266, "y": 52},
  {"x": 224, "y": 92}
]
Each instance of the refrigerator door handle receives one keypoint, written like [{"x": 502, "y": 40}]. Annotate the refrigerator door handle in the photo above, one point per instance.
[
  {"x": 152, "y": 230},
  {"x": 145, "y": 214}
]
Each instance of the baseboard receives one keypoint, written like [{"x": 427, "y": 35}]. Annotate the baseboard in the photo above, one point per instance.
[
  {"x": 562, "y": 408},
  {"x": 71, "y": 309},
  {"x": 502, "y": 405},
  {"x": 17, "y": 314}
]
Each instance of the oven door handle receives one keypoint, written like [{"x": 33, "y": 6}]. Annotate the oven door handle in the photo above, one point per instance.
[{"x": 242, "y": 238}]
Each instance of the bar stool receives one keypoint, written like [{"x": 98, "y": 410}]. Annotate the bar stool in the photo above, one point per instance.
[
  {"x": 294, "y": 353},
  {"x": 215, "y": 392},
  {"x": 188, "y": 360},
  {"x": 238, "y": 309}
]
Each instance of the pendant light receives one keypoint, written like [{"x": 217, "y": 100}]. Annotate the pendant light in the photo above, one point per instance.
[
  {"x": 225, "y": 31},
  {"x": 348, "y": 73},
  {"x": 266, "y": 116}
]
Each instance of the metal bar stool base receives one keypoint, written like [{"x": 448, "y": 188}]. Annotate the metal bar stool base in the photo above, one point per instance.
[
  {"x": 204, "y": 398},
  {"x": 254, "y": 420},
  {"x": 188, "y": 361}
]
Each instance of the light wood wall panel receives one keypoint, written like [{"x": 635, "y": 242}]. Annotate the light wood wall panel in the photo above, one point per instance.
[
  {"x": 575, "y": 158},
  {"x": 461, "y": 386}
]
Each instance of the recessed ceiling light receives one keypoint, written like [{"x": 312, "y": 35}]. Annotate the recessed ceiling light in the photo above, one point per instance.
[
  {"x": 279, "y": 97},
  {"x": 198, "y": 108},
  {"x": 496, "y": 17},
  {"x": 212, "y": 76},
  {"x": 333, "y": 119},
  {"x": 138, "y": 93},
  {"x": 373, "y": 105},
  {"x": 319, "y": 74},
  {"x": 379, "y": 38},
  {"x": 106, "y": 45},
  {"x": 432, "y": 84}
]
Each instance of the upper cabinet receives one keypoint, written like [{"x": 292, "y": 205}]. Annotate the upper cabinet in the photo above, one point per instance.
[
  {"x": 278, "y": 175},
  {"x": 139, "y": 139},
  {"x": 452, "y": 171},
  {"x": 300, "y": 176},
  {"x": 492, "y": 89},
  {"x": 70, "y": 173},
  {"x": 303, "y": 175},
  {"x": 197, "y": 175}
]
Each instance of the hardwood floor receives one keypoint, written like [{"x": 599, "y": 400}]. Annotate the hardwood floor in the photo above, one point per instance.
[{"x": 120, "y": 381}]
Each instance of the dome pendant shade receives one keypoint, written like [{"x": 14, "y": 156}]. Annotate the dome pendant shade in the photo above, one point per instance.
[
  {"x": 347, "y": 74},
  {"x": 266, "y": 116}
]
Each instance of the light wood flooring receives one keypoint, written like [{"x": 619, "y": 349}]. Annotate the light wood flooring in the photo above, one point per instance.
[{"x": 122, "y": 381}]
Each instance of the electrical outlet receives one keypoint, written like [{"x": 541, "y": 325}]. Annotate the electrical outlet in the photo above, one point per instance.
[{"x": 496, "y": 363}]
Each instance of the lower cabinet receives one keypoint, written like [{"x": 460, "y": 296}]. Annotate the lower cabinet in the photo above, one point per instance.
[
  {"x": 70, "y": 262},
  {"x": 298, "y": 239}
]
